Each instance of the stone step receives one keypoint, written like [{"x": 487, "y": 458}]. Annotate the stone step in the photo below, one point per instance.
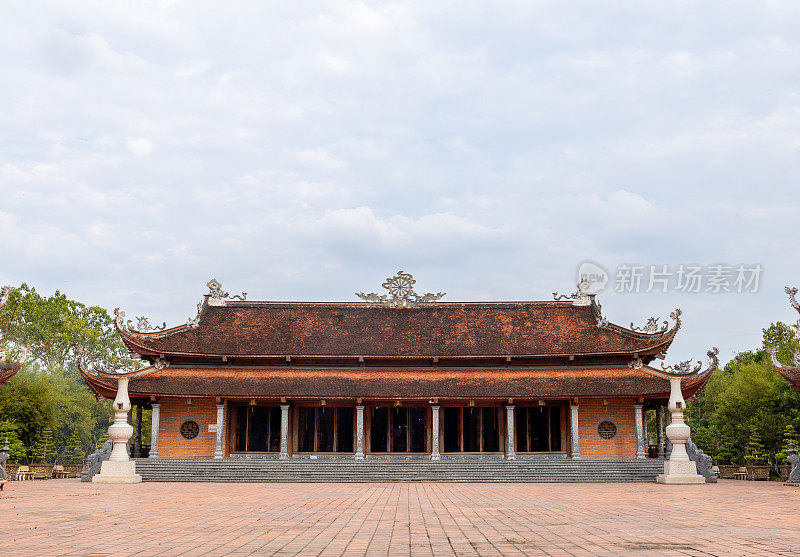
[{"x": 321, "y": 470}]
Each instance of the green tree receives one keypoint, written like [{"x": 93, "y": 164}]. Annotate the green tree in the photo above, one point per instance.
[
  {"x": 73, "y": 451},
  {"x": 747, "y": 396},
  {"x": 48, "y": 398},
  {"x": 8, "y": 431},
  {"x": 45, "y": 449},
  {"x": 60, "y": 332},
  {"x": 754, "y": 453},
  {"x": 789, "y": 434}
]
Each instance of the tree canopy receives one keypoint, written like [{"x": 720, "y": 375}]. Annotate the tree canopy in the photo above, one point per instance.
[
  {"x": 747, "y": 406},
  {"x": 46, "y": 408}
]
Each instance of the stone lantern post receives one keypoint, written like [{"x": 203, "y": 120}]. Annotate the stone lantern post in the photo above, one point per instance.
[
  {"x": 679, "y": 469},
  {"x": 119, "y": 468}
]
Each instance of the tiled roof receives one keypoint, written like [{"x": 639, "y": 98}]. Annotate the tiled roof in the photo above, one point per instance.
[
  {"x": 7, "y": 371},
  {"x": 792, "y": 375},
  {"x": 390, "y": 384},
  {"x": 251, "y": 329}
]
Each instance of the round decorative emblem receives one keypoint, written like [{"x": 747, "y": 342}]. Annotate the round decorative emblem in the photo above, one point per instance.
[
  {"x": 606, "y": 430},
  {"x": 400, "y": 285},
  {"x": 190, "y": 429}
]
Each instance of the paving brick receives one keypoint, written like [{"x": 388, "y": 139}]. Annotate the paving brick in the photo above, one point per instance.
[{"x": 66, "y": 517}]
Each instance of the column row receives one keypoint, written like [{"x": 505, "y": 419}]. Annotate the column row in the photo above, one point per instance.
[{"x": 489, "y": 420}]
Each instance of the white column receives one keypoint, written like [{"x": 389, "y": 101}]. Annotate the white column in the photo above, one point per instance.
[
  {"x": 360, "y": 432},
  {"x": 435, "y": 432},
  {"x": 679, "y": 469},
  {"x": 155, "y": 423},
  {"x": 573, "y": 415},
  {"x": 218, "y": 452},
  {"x": 284, "y": 454},
  {"x": 119, "y": 468},
  {"x": 639, "y": 421},
  {"x": 511, "y": 453}
]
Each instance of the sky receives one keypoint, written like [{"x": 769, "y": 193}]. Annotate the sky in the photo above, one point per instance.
[{"x": 307, "y": 151}]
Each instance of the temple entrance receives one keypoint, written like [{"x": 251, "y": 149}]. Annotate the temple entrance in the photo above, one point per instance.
[
  {"x": 398, "y": 430},
  {"x": 325, "y": 429},
  {"x": 538, "y": 429},
  {"x": 257, "y": 429},
  {"x": 471, "y": 430}
]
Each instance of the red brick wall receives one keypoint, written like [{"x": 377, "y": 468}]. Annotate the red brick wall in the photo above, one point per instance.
[
  {"x": 619, "y": 411},
  {"x": 174, "y": 412}
]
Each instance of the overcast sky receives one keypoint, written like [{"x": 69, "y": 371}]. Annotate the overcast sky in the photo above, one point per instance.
[{"x": 306, "y": 151}]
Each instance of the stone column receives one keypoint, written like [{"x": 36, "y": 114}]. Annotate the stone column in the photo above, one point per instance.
[
  {"x": 667, "y": 443},
  {"x": 573, "y": 416},
  {"x": 435, "y": 432},
  {"x": 154, "y": 425},
  {"x": 137, "y": 433},
  {"x": 679, "y": 469},
  {"x": 639, "y": 421},
  {"x": 218, "y": 452},
  {"x": 660, "y": 427},
  {"x": 511, "y": 452},
  {"x": 119, "y": 468},
  {"x": 360, "y": 432},
  {"x": 284, "y": 454}
]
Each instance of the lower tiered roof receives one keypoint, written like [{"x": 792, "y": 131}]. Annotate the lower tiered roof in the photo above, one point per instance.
[{"x": 298, "y": 383}]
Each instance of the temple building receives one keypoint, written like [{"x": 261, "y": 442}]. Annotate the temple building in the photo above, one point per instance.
[
  {"x": 790, "y": 373},
  {"x": 398, "y": 375}
]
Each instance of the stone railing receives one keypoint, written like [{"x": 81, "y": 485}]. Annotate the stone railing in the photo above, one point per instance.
[
  {"x": 95, "y": 460},
  {"x": 702, "y": 460}
]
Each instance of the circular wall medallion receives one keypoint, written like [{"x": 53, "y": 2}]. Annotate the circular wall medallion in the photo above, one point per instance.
[
  {"x": 606, "y": 430},
  {"x": 190, "y": 429}
]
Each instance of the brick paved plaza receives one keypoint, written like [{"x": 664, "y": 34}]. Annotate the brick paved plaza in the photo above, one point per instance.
[{"x": 66, "y": 517}]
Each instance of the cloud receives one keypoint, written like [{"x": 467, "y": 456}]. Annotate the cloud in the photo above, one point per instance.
[
  {"x": 320, "y": 158},
  {"x": 308, "y": 151}
]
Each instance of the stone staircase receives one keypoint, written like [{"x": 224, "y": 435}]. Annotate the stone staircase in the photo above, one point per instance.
[{"x": 252, "y": 470}]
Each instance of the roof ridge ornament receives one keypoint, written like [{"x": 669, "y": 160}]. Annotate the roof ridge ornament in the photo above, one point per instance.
[
  {"x": 792, "y": 300},
  {"x": 676, "y": 317},
  {"x": 651, "y": 327},
  {"x": 217, "y": 296},
  {"x": 401, "y": 293},
  {"x": 685, "y": 369},
  {"x": 142, "y": 324},
  {"x": 194, "y": 322},
  {"x": 581, "y": 297},
  {"x": 5, "y": 294},
  {"x": 602, "y": 320},
  {"x": 24, "y": 352},
  {"x": 773, "y": 354}
]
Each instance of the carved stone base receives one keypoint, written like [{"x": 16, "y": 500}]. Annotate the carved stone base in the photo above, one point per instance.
[
  {"x": 680, "y": 472},
  {"x": 117, "y": 472}
]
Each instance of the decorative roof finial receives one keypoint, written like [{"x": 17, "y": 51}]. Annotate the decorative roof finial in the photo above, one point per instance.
[
  {"x": 142, "y": 323},
  {"x": 651, "y": 327},
  {"x": 773, "y": 353},
  {"x": 581, "y": 297},
  {"x": 401, "y": 293},
  {"x": 5, "y": 294},
  {"x": 676, "y": 316},
  {"x": 685, "y": 369},
  {"x": 217, "y": 296},
  {"x": 792, "y": 300}
]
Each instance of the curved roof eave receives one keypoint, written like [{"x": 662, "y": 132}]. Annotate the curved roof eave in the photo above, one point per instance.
[{"x": 7, "y": 371}]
